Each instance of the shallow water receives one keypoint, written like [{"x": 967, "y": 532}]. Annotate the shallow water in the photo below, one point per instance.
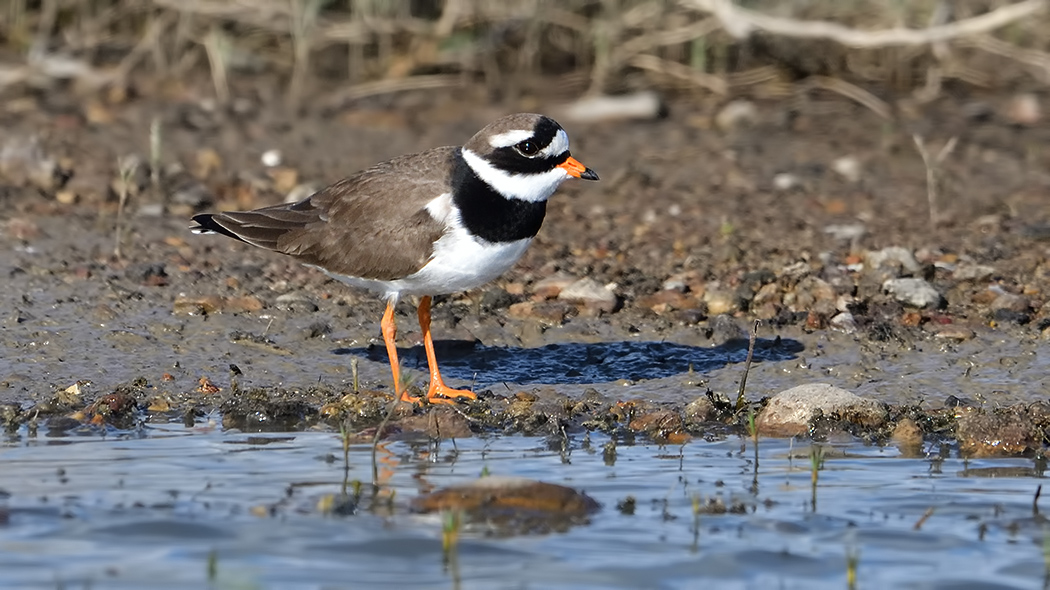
[{"x": 146, "y": 509}]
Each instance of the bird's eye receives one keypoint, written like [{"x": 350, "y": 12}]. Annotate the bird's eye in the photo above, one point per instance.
[{"x": 528, "y": 148}]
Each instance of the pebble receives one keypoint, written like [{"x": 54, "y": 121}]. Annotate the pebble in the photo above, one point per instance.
[
  {"x": 552, "y": 286},
  {"x": 850, "y": 232},
  {"x": 786, "y": 181},
  {"x": 590, "y": 293},
  {"x": 720, "y": 301},
  {"x": 973, "y": 272},
  {"x": 952, "y": 332},
  {"x": 1005, "y": 300},
  {"x": 440, "y": 422},
  {"x": 893, "y": 255},
  {"x": 271, "y": 158},
  {"x": 812, "y": 294},
  {"x": 991, "y": 434},
  {"x": 1024, "y": 109},
  {"x": 907, "y": 434},
  {"x": 701, "y": 409},
  {"x": 789, "y": 412},
  {"x": 548, "y": 312},
  {"x": 737, "y": 113},
  {"x": 296, "y": 302},
  {"x": 843, "y": 322},
  {"x": 914, "y": 292},
  {"x": 847, "y": 167}
]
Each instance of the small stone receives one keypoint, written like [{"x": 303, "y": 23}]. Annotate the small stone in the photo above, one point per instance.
[
  {"x": 789, "y": 412},
  {"x": 300, "y": 192},
  {"x": 271, "y": 158},
  {"x": 767, "y": 294},
  {"x": 439, "y": 422},
  {"x": 590, "y": 293},
  {"x": 284, "y": 178},
  {"x": 907, "y": 434},
  {"x": 847, "y": 167},
  {"x": 951, "y": 332},
  {"x": 843, "y": 322},
  {"x": 1024, "y": 109},
  {"x": 914, "y": 292},
  {"x": 550, "y": 312},
  {"x": 737, "y": 113},
  {"x": 786, "y": 181},
  {"x": 1005, "y": 300},
  {"x": 242, "y": 304},
  {"x": 701, "y": 409},
  {"x": 850, "y": 232},
  {"x": 657, "y": 422},
  {"x": 973, "y": 272},
  {"x": 297, "y": 302},
  {"x": 813, "y": 294},
  {"x": 1004, "y": 432},
  {"x": 666, "y": 300},
  {"x": 893, "y": 256},
  {"x": 720, "y": 301},
  {"x": 202, "y": 305},
  {"x": 552, "y": 286}
]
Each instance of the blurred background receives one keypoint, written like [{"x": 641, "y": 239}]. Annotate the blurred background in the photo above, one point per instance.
[{"x": 349, "y": 49}]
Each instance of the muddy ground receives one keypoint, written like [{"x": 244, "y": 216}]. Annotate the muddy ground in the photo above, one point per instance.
[{"x": 793, "y": 213}]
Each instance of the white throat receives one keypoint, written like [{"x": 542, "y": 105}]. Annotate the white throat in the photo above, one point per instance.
[{"x": 527, "y": 187}]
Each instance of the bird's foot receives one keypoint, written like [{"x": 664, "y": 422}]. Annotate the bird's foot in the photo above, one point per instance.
[{"x": 439, "y": 393}]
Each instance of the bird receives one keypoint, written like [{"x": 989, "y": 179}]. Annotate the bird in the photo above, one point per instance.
[{"x": 437, "y": 222}]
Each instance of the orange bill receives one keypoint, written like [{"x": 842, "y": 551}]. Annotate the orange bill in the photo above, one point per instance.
[{"x": 574, "y": 168}]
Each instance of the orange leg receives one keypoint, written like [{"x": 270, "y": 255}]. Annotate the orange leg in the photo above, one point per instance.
[
  {"x": 389, "y": 336},
  {"x": 438, "y": 391}
]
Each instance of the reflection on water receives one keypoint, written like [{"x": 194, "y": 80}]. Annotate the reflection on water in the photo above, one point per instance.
[{"x": 162, "y": 508}]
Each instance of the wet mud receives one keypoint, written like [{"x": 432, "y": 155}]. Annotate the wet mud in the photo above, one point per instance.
[{"x": 695, "y": 229}]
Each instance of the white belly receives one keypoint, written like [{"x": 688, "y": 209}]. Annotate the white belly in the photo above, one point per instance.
[{"x": 460, "y": 262}]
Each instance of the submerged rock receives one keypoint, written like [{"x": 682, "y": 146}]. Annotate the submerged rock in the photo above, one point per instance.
[
  {"x": 789, "y": 412},
  {"x": 513, "y": 504}
]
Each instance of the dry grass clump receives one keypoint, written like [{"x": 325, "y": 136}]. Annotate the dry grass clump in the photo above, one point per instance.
[{"x": 758, "y": 47}]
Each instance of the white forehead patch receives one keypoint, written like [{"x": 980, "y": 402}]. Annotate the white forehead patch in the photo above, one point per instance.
[
  {"x": 509, "y": 138},
  {"x": 559, "y": 145}
]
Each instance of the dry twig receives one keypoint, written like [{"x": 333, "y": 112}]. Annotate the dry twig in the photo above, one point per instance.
[
  {"x": 933, "y": 168},
  {"x": 741, "y": 23}
]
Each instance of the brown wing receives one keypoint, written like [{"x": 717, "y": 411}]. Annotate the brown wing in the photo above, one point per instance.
[{"x": 372, "y": 225}]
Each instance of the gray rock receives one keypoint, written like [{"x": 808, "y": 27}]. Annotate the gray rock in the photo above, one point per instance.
[
  {"x": 844, "y": 322},
  {"x": 701, "y": 409},
  {"x": 893, "y": 255},
  {"x": 789, "y": 412},
  {"x": 914, "y": 292},
  {"x": 973, "y": 272}
]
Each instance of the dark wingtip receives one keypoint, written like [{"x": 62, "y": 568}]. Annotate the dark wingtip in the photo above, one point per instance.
[
  {"x": 206, "y": 224},
  {"x": 589, "y": 174}
]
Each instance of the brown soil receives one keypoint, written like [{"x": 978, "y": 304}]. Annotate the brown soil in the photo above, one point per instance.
[{"x": 180, "y": 325}]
